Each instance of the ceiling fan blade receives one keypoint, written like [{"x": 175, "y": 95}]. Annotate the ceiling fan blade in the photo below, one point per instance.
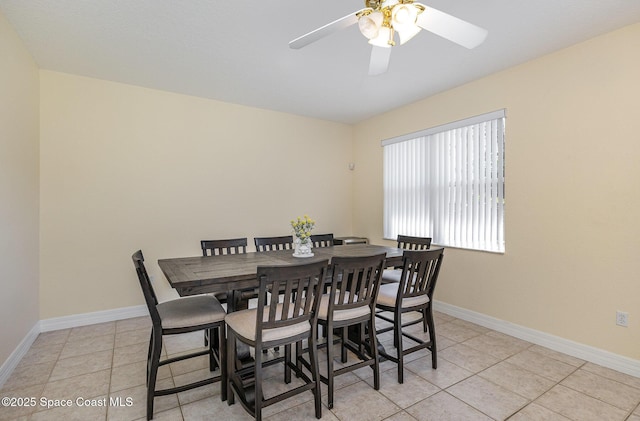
[
  {"x": 379, "y": 60},
  {"x": 325, "y": 30},
  {"x": 451, "y": 28}
]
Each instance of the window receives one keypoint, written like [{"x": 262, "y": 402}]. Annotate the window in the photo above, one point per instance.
[{"x": 447, "y": 183}]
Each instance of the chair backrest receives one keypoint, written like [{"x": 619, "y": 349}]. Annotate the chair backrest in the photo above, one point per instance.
[
  {"x": 413, "y": 243},
  {"x": 299, "y": 287},
  {"x": 274, "y": 243},
  {"x": 145, "y": 283},
  {"x": 218, "y": 247},
  {"x": 355, "y": 281},
  {"x": 322, "y": 240},
  {"x": 419, "y": 272}
]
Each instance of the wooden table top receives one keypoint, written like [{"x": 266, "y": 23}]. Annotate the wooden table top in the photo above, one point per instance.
[{"x": 212, "y": 274}]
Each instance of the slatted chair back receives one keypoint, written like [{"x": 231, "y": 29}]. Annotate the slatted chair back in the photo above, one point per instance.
[
  {"x": 147, "y": 289},
  {"x": 419, "y": 274},
  {"x": 300, "y": 288},
  {"x": 274, "y": 243},
  {"x": 413, "y": 243},
  {"x": 354, "y": 282},
  {"x": 322, "y": 240},
  {"x": 220, "y": 247}
]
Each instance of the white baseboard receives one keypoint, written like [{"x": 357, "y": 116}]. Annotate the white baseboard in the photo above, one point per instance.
[
  {"x": 12, "y": 362},
  {"x": 588, "y": 353},
  {"x": 585, "y": 352},
  {"x": 84, "y": 319},
  {"x": 66, "y": 322}
]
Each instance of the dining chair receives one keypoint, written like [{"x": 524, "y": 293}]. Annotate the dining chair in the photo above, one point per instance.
[
  {"x": 284, "y": 242},
  {"x": 350, "y": 301},
  {"x": 407, "y": 242},
  {"x": 182, "y": 315},
  {"x": 273, "y": 243},
  {"x": 286, "y": 314},
  {"x": 413, "y": 292},
  {"x": 227, "y": 246},
  {"x": 322, "y": 240},
  {"x": 223, "y": 247}
]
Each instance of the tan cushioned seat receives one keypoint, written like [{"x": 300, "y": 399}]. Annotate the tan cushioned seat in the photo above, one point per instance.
[
  {"x": 391, "y": 275},
  {"x": 190, "y": 311},
  {"x": 388, "y": 293},
  {"x": 340, "y": 315},
  {"x": 244, "y": 324}
]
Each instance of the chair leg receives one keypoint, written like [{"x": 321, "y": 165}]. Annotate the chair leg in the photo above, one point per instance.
[
  {"x": 397, "y": 330},
  {"x": 330, "y": 365},
  {"x": 432, "y": 337},
  {"x": 425, "y": 322},
  {"x": 153, "y": 372},
  {"x": 315, "y": 372},
  {"x": 257, "y": 405},
  {"x": 343, "y": 348},
  {"x": 231, "y": 365},
  {"x": 373, "y": 344},
  {"x": 299, "y": 357},
  {"x": 149, "y": 357},
  {"x": 222, "y": 353},
  {"x": 214, "y": 345},
  {"x": 287, "y": 360}
]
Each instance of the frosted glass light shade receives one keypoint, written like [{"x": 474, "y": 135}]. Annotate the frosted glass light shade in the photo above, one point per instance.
[
  {"x": 382, "y": 40},
  {"x": 403, "y": 16},
  {"x": 370, "y": 24}
]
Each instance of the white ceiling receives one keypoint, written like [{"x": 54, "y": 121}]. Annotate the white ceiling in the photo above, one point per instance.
[{"x": 237, "y": 51}]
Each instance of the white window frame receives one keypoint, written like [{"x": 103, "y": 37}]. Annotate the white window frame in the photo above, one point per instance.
[{"x": 448, "y": 183}]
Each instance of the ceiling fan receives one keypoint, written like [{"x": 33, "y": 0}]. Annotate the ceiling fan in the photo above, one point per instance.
[{"x": 380, "y": 20}]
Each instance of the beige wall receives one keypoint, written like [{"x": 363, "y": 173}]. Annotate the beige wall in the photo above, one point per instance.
[
  {"x": 19, "y": 87},
  {"x": 124, "y": 167},
  {"x": 572, "y": 192}
]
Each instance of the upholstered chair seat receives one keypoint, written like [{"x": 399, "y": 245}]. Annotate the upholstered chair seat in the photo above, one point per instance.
[
  {"x": 388, "y": 294},
  {"x": 340, "y": 315},
  {"x": 244, "y": 324},
  {"x": 190, "y": 311}
]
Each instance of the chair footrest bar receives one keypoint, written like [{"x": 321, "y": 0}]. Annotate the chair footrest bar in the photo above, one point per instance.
[
  {"x": 184, "y": 357},
  {"x": 352, "y": 367},
  {"x": 185, "y": 387},
  {"x": 288, "y": 394},
  {"x": 415, "y": 339}
]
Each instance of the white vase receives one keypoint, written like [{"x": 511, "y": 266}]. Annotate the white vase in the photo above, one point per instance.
[{"x": 302, "y": 248}]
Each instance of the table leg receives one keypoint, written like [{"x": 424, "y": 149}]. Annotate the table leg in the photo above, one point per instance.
[{"x": 354, "y": 336}]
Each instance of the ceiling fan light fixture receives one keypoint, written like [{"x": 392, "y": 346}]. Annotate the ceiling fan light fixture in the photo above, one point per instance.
[
  {"x": 403, "y": 20},
  {"x": 384, "y": 38},
  {"x": 407, "y": 33},
  {"x": 370, "y": 24},
  {"x": 404, "y": 16}
]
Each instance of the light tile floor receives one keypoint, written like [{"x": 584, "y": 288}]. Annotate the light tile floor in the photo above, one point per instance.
[{"x": 481, "y": 375}]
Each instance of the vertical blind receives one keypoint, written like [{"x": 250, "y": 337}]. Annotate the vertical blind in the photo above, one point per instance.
[{"x": 447, "y": 183}]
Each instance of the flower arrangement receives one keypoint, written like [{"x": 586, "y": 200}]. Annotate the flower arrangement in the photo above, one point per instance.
[{"x": 302, "y": 227}]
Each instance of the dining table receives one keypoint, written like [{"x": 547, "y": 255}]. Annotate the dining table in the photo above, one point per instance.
[
  {"x": 234, "y": 273},
  {"x": 237, "y": 272}
]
